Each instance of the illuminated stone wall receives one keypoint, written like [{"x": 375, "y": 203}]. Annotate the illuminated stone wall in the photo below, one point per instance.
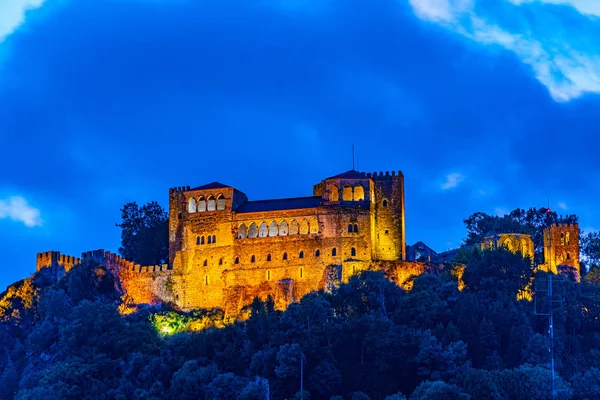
[
  {"x": 225, "y": 250},
  {"x": 513, "y": 242},
  {"x": 561, "y": 248}
]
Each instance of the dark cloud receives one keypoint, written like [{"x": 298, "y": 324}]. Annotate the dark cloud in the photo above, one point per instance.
[{"x": 111, "y": 101}]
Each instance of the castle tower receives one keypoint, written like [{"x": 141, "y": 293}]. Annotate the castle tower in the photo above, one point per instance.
[
  {"x": 389, "y": 238},
  {"x": 561, "y": 247}
]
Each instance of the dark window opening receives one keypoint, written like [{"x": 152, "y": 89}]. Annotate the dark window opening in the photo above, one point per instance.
[
  {"x": 220, "y": 261},
  {"x": 209, "y": 239},
  {"x": 202, "y": 240},
  {"x": 317, "y": 253},
  {"x": 253, "y": 259},
  {"x": 350, "y": 228},
  {"x": 356, "y": 228},
  {"x": 214, "y": 239},
  {"x": 334, "y": 252},
  {"x": 268, "y": 257},
  {"x": 285, "y": 256},
  {"x": 205, "y": 263},
  {"x": 197, "y": 239},
  {"x": 237, "y": 260},
  {"x": 384, "y": 203},
  {"x": 353, "y": 252}
]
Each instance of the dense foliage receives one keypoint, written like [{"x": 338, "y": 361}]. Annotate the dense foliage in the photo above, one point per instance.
[
  {"x": 368, "y": 339},
  {"x": 144, "y": 233}
]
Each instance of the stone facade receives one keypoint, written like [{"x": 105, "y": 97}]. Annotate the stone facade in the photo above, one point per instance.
[
  {"x": 514, "y": 242},
  {"x": 561, "y": 248},
  {"x": 224, "y": 250}
]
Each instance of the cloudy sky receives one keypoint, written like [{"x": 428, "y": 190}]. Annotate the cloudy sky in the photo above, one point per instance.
[{"x": 484, "y": 105}]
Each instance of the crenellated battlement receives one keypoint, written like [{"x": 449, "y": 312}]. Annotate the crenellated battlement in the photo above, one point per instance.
[
  {"x": 55, "y": 258},
  {"x": 384, "y": 175},
  {"x": 114, "y": 262},
  {"x": 178, "y": 189}
]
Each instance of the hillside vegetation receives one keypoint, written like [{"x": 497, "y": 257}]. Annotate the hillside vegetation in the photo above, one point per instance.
[{"x": 367, "y": 339}]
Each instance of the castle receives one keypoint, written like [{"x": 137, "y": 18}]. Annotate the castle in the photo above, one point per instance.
[{"x": 224, "y": 249}]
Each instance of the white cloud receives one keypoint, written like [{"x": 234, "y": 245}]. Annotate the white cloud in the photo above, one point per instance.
[
  {"x": 562, "y": 205},
  {"x": 561, "y": 53},
  {"x": 17, "y": 209},
  {"x": 452, "y": 180},
  {"x": 589, "y": 7},
  {"x": 12, "y": 14}
]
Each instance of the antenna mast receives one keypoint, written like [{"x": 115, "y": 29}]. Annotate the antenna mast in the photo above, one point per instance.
[{"x": 352, "y": 157}]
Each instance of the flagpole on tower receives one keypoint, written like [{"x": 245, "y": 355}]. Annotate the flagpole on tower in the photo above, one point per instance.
[{"x": 352, "y": 157}]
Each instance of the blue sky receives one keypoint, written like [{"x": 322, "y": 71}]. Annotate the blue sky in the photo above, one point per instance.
[{"x": 485, "y": 106}]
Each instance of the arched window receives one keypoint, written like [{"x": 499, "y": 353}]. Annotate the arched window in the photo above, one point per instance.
[
  {"x": 301, "y": 255},
  {"x": 567, "y": 238},
  {"x": 334, "y": 252},
  {"x": 313, "y": 225},
  {"x": 205, "y": 263},
  {"x": 356, "y": 228},
  {"x": 318, "y": 253},
  {"x": 334, "y": 193},
  {"x": 221, "y": 261},
  {"x": 268, "y": 257},
  {"x": 303, "y": 223},
  {"x": 221, "y": 202},
  {"x": 192, "y": 205},
  {"x": 263, "y": 231},
  {"x": 273, "y": 229},
  {"x": 209, "y": 239},
  {"x": 562, "y": 238},
  {"x": 211, "y": 204},
  {"x": 197, "y": 239},
  {"x": 359, "y": 193},
  {"x": 201, "y": 204},
  {"x": 242, "y": 231},
  {"x": 285, "y": 256},
  {"x": 237, "y": 260},
  {"x": 508, "y": 244},
  {"x": 253, "y": 259},
  {"x": 283, "y": 228},
  {"x": 252, "y": 231},
  {"x": 350, "y": 228},
  {"x": 294, "y": 228},
  {"x": 202, "y": 240},
  {"x": 347, "y": 193},
  {"x": 214, "y": 239},
  {"x": 384, "y": 203},
  {"x": 353, "y": 252}
]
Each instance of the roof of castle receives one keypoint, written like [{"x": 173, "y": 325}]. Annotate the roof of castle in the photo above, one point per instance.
[
  {"x": 280, "y": 204},
  {"x": 212, "y": 185},
  {"x": 351, "y": 174}
]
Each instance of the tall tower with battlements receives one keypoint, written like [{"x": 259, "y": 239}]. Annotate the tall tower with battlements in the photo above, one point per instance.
[{"x": 561, "y": 247}]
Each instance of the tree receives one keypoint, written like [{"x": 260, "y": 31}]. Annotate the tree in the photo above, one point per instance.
[
  {"x": 590, "y": 249},
  {"x": 438, "y": 390},
  {"x": 144, "y": 233}
]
